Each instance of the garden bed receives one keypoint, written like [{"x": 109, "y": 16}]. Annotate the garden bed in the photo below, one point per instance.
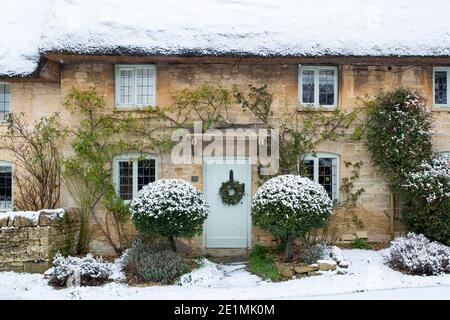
[{"x": 368, "y": 276}]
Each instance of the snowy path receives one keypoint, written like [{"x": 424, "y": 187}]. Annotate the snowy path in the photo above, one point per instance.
[{"x": 367, "y": 278}]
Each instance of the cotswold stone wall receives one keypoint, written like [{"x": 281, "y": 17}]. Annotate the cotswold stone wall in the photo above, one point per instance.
[{"x": 28, "y": 241}]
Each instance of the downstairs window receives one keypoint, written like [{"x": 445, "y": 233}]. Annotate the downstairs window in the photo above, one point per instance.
[
  {"x": 5, "y": 186},
  {"x": 324, "y": 169},
  {"x": 131, "y": 173}
]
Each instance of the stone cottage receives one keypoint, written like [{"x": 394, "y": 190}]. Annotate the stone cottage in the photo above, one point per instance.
[{"x": 136, "y": 55}]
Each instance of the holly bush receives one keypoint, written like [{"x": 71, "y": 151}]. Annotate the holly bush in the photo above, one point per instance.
[{"x": 399, "y": 135}]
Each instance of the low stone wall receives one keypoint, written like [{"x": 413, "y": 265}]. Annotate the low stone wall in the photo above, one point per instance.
[{"x": 29, "y": 240}]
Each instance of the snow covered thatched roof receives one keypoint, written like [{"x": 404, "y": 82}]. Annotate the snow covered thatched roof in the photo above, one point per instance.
[{"x": 31, "y": 28}]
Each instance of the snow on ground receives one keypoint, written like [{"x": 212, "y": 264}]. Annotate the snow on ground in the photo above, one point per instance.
[
  {"x": 215, "y": 27},
  {"x": 367, "y": 278}
]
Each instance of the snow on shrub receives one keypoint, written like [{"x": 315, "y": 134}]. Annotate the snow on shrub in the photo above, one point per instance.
[
  {"x": 316, "y": 252},
  {"x": 427, "y": 199},
  {"x": 84, "y": 271},
  {"x": 416, "y": 254},
  {"x": 433, "y": 180},
  {"x": 170, "y": 208},
  {"x": 289, "y": 206},
  {"x": 399, "y": 133},
  {"x": 146, "y": 262}
]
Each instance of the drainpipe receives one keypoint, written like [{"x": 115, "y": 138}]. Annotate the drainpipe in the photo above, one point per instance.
[{"x": 392, "y": 203}]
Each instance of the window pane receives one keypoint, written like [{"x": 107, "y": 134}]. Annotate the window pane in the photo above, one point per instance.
[
  {"x": 5, "y": 100},
  {"x": 326, "y": 87},
  {"x": 144, "y": 86},
  {"x": 126, "y": 86},
  {"x": 146, "y": 172},
  {"x": 126, "y": 180},
  {"x": 308, "y": 169},
  {"x": 308, "y": 86},
  {"x": 5, "y": 187},
  {"x": 328, "y": 176},
  {"x": 440, "y": 87}
]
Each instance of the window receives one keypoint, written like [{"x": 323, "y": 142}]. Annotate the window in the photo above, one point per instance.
[
  {"x": 5, "y": 186},
  {"x": 324, "y": 169},
  {"x": 135, "y": 85},
  {"x": 5, "y": 100},
  {"x": 441, "y": 83},
  {"x": 318, "y": 86},
  {"x": 131, "y": 173}
]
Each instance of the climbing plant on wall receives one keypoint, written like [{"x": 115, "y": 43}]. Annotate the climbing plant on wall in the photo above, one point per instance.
[
  {"x": 301, "y": 128},
  {"x": 399, "y": 138},
  {"x": 96, "y": 140},
  {"x": 398, "y": 133}
]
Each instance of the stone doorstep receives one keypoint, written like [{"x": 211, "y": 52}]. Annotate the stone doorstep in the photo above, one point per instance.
[{"x": 219, "y": 252}]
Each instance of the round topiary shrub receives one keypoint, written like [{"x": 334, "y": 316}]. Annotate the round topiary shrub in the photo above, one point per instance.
[
  {"x": 170, "y": 208},
  {"x": 288, "y": 206},
  {"x": 427, "y": 200}
]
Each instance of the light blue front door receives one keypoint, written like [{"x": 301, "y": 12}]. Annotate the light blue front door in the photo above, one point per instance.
[{"x": 227, "y": 226}]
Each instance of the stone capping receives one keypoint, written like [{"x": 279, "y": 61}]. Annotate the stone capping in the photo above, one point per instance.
[{"x": 45, "y": 217}]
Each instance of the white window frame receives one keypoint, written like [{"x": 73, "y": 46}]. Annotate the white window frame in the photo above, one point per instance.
[
  {"x": 316, "y": 69},
  {"x": 10, "y": 98},
  {"x": 131, "y": 157},
  {"x": 4, "y": 163},
  {"x": 315, "y": 157},
  {"x": 133, "y": 67},
  {"x": 440, "y": 105}
]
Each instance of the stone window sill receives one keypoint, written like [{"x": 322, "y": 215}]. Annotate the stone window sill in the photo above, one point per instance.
[
  {"x": 440, "y": 109},
  {"x": 130, "y": 108}
]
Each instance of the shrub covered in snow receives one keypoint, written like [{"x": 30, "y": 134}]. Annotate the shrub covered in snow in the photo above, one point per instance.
[
  {"x": 84, "y": 271},
  {"x": 417, "y": 255},
  {"x": 289, "y": 206},
  {"x": 170, "y": 208},
  {"x": 316, "y": 252},
  {"x": 427, "y": 200},
  {"x": 146, "y": 262},
  {"x": 398, "y": 133}
]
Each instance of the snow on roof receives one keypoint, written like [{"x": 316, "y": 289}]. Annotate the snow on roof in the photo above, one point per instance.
[{"x": 220, "y": 27}]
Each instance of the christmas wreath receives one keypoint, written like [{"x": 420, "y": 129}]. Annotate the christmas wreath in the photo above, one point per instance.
[{"x": 231, "y": 192}]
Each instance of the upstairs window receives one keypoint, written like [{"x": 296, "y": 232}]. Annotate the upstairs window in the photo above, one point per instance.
[
  {"x": 318, "y": 86},
  {"x": 441, "y": 86},
  {"x": 131, "y": 173},
  {"x": 324, "y": 169},
  {"x": 135, "y": 85},
  {"x": 5, "y": 100},
  {"x": 5, "y": 186}
]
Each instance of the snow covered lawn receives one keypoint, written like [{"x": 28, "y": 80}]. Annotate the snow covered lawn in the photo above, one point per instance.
[{"x": 367, "y": 278}]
